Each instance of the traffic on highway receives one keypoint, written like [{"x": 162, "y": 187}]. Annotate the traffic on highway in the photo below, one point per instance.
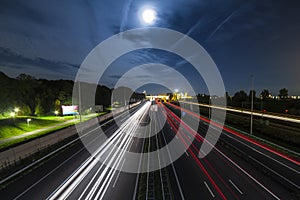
[{"x": 236, "y": 168}]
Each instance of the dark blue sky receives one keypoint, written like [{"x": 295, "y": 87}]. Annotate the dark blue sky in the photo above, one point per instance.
[{"x": 50, "y": 39}]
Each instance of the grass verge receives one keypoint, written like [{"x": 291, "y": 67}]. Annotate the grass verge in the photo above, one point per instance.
[{"x": 48, "y": 124}]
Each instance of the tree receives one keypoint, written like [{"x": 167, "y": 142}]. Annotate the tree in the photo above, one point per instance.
[
  {"x": 240, "y": 96},
  {"x": 39, "y": 109},
  {"x": 283, "y": 93},
  {"x": 24, "y": 110},
  {"x": 25, "y": 77},
  {"x": 265, "y": 94},
  {"x": 103, "y": 96}
]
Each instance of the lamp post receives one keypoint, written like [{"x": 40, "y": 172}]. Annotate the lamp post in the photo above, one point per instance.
[
  {"x": 79, "y": 93},
  {"x": 252, "y": 94}
]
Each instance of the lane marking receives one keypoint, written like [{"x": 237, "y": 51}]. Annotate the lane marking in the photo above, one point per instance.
[
  {"x": 55, "y": 151},
  {"x": 187, "y": 153},
  {"x": 76, "y": 178},
  {"x": 208, "y": 188},
  {"x": 292, "y": 183},
  {"x": 256, "y": 150},
  {"x": 240, "y": 168},
  {"x": 230, "y": 181},
  {"x": 104, "y": 186},
  {"x": 261, "y": 153},
  {"x": 118, "y": 174},
  {"x": 174, "y": 171},
  {"x": 278, "y": 153},
  {"x": 41, "y": 179}
]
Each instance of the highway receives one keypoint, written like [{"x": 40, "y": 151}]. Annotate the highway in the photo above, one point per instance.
[{"x": 236, "y": 168}]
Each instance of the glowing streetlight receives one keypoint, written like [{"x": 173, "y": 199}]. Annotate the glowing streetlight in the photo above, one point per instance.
[
  {"x": 16, "y": 110},
  {"x": 12, "y": 114}
]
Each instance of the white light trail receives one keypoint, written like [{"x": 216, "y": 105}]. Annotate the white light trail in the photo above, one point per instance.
[{"x": 129, "y": 128}]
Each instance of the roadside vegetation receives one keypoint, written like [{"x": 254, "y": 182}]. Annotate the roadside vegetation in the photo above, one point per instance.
[
  {"x": 12, "y": 130},
  {"x": 15, "y": 126}
]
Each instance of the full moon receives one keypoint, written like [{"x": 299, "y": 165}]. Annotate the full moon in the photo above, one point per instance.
[{"x": 149, "y": 16}]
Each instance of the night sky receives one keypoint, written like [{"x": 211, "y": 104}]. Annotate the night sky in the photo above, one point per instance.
[{"x": 50, "y": 39}]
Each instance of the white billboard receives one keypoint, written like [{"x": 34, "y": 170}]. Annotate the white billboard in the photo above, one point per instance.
[{"x": 69, "y": 110}]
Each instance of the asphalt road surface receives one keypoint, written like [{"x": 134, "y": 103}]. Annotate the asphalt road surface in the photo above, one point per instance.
[{"x": 236, "y": 168}]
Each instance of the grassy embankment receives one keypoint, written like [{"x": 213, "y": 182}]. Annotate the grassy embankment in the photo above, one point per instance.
[{"x": 12, "y": 127}]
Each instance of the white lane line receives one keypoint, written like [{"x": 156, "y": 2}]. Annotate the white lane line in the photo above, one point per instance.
[
  {"x": 64, "y": 187},
  {"x": 100, "y": 168},
  {"x": 208, "y": 188},
  {"x": 40, "y": 180},
  {"x": 256, "y": 150},
  {"x": 55, "y": 151},
  {"x": 284, "y": 178},
  {"x": 108, "y": 177},
  {"x": 240, "y": 168},
  {"x": 108, "y": 174},
  {"x": 137, "y": 175},
  {"x": 119, "y": 174},
  {"x": 130, "y": 144},
  {"x": 159, "y": 164},
  {"x": 187, "y": 153},
  {"x": 107, "y": 181},
  {"x": 174, "y": 171},
  {"x": 148, "y": 160},
  {"x": 140, "y": 164},
  {"x": 230, "y": 181},
  {"x": 281, "y": 147}
]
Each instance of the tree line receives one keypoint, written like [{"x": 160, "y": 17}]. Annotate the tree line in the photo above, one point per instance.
[
  {"x": 264, "y": 102},
  {"x": 43, "y": 97}
]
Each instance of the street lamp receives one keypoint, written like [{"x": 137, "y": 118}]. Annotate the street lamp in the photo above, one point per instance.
[
  {"x": 12, "y": 114},
  {"x": 252, "y": 95},
  {"x": 16, "y": 111}
]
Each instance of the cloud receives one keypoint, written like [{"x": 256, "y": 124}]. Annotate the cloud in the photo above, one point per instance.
[{"x": 14, "y": 64}]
